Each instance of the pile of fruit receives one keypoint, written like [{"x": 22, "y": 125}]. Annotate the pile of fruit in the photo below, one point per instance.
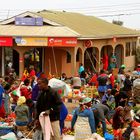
[
  {"x": 67, "y": 131},
  {"x": 109, "y": 130}
]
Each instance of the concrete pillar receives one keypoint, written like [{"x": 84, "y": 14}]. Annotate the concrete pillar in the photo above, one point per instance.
[
  {"x": 73, "y": 61},
  {"x": 21, "y": 64},
  {"x": 82, "y": 57},
  {"x": 3, "y": 62},
  {"x": 99, "y": 64}
]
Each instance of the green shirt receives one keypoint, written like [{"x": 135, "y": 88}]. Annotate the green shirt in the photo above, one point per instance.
[{"x": 22, "y": 113}]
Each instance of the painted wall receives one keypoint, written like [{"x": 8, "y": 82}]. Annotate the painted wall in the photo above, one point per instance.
[
  {"x": 60, "y": 56},
  {"x": 130, "y": 62},
  {"x": 52, "y": 61}
]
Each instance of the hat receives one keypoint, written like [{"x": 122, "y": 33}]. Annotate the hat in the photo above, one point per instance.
[
  {"x": 86, "y": 100},
  {"x": 21, "y": 100},
  {"x": 14, "y": 92},
  {"x": 123, "y": 66}
]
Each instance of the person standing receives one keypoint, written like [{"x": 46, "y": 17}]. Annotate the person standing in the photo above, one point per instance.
[
  {"x": 128, "y": 86},
  {"x": 102, "y": 80},
  {"x": 81, "y": 69},
  {"x": 49, "y": 102}
]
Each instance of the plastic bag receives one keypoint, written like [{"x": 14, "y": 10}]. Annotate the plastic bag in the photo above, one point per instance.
[
  {"x": 57, "y": 84},
  {"x": 68, "y": 137},
  {"x": 9, "y": 136},
  {"x": 108, "y": 136},
  {"x": 97, "y": 136}
]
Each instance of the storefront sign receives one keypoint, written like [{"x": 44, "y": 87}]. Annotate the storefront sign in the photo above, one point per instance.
[
  {"x": 88, "y": 43},
  {"x": 62, "y": 42},
  {"x": 6, "y": 41},
  {"x": 35, "y": 41},
  {"x": 29, "y": 21}
]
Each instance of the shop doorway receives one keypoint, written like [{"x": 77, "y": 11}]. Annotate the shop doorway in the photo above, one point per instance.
[
  {"x": 33, "y": 57},
  {"x": 106, "y": 56},
  {"x": 91, "y": 59},
  {"x": 16, "y": 61},
  {"x": 11, "y": 61},
  {"x": 119, "y": 52}
]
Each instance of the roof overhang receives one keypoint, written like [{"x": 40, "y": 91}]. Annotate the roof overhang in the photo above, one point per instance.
[
  {"x": 108, "y": 37},
  {"x": 37, "y": 31}
]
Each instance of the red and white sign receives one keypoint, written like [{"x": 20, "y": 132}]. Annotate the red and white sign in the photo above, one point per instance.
[
  {"x": 88, "y": 43},
  {"x": 62, "y": 42},
  {"x": 21, "y": 59},
  {"x": 6, "y": 41}
]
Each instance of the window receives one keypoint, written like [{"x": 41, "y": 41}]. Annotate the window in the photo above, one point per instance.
[
  {"x": 68, "y": 57},
  {"x": 127, "y": 49},
  {"x": 134, "y": 48},
  {"x": 78, "y": 56}
]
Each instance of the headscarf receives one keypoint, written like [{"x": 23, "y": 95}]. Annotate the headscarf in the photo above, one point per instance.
[
  {"x": 21, "y": 100},
  {"x": 83, "y": 103}
]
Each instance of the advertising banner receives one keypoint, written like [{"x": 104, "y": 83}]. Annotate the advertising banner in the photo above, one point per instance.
[
  {"x": 35, "y": 41},
  {"x": 62, "y": 42},
  {"x": 6, "y": 41}
]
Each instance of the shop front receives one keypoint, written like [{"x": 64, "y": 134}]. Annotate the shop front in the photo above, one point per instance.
[
  {"x": 6, "y": 44},
  {"x": 31, "y": 52}
]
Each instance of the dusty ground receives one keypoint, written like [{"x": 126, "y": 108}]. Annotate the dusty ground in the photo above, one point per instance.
[{"x": 71, "y": 106}]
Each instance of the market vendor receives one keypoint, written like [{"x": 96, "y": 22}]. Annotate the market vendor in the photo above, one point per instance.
[
  {"x": 100, "y": 112},
  {"x": 22, "y": 112},
  {"x": 83, "y": 120}
]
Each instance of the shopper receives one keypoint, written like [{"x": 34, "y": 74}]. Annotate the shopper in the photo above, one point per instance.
[{"x": 49, "y": 102}]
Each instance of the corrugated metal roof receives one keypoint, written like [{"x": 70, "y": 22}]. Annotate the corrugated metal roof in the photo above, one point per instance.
[
  {"x": 87, "y": 26},
  {"x": 38, "y": 31}
]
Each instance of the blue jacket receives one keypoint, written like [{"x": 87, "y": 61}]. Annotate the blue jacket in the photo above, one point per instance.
[{"x": 1, "y": 94}]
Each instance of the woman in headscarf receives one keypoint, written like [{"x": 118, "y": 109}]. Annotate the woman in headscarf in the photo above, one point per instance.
[
  {"x": 83, "y": 120},
  {"x": 22, "y": 112}
]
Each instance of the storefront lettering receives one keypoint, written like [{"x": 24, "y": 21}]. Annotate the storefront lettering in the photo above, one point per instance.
[{"x": 58, "y": 42}]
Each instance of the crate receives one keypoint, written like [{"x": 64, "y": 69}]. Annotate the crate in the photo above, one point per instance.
[{"x": 90, "y": 91}]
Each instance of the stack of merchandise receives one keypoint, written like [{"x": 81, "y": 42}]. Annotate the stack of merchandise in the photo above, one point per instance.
[
  {"x": 90, "y": 91},
  {"x": 6, "y": 126}
]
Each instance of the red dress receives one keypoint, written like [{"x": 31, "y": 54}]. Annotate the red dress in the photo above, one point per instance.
[
  {"x": 32, "y": 73},
  {"x": 105, "y": 62}
]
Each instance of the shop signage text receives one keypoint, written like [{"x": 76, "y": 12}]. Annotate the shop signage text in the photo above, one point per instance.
[
  {"x": 35, "y": 41},
  {"x": 62, "y": 42},
  {"x": 29, "y": 21},
  {"x": 6, "y": 41}
]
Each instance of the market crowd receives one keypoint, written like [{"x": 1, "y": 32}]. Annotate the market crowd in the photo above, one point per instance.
[{"x": 36, "y": 107}]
